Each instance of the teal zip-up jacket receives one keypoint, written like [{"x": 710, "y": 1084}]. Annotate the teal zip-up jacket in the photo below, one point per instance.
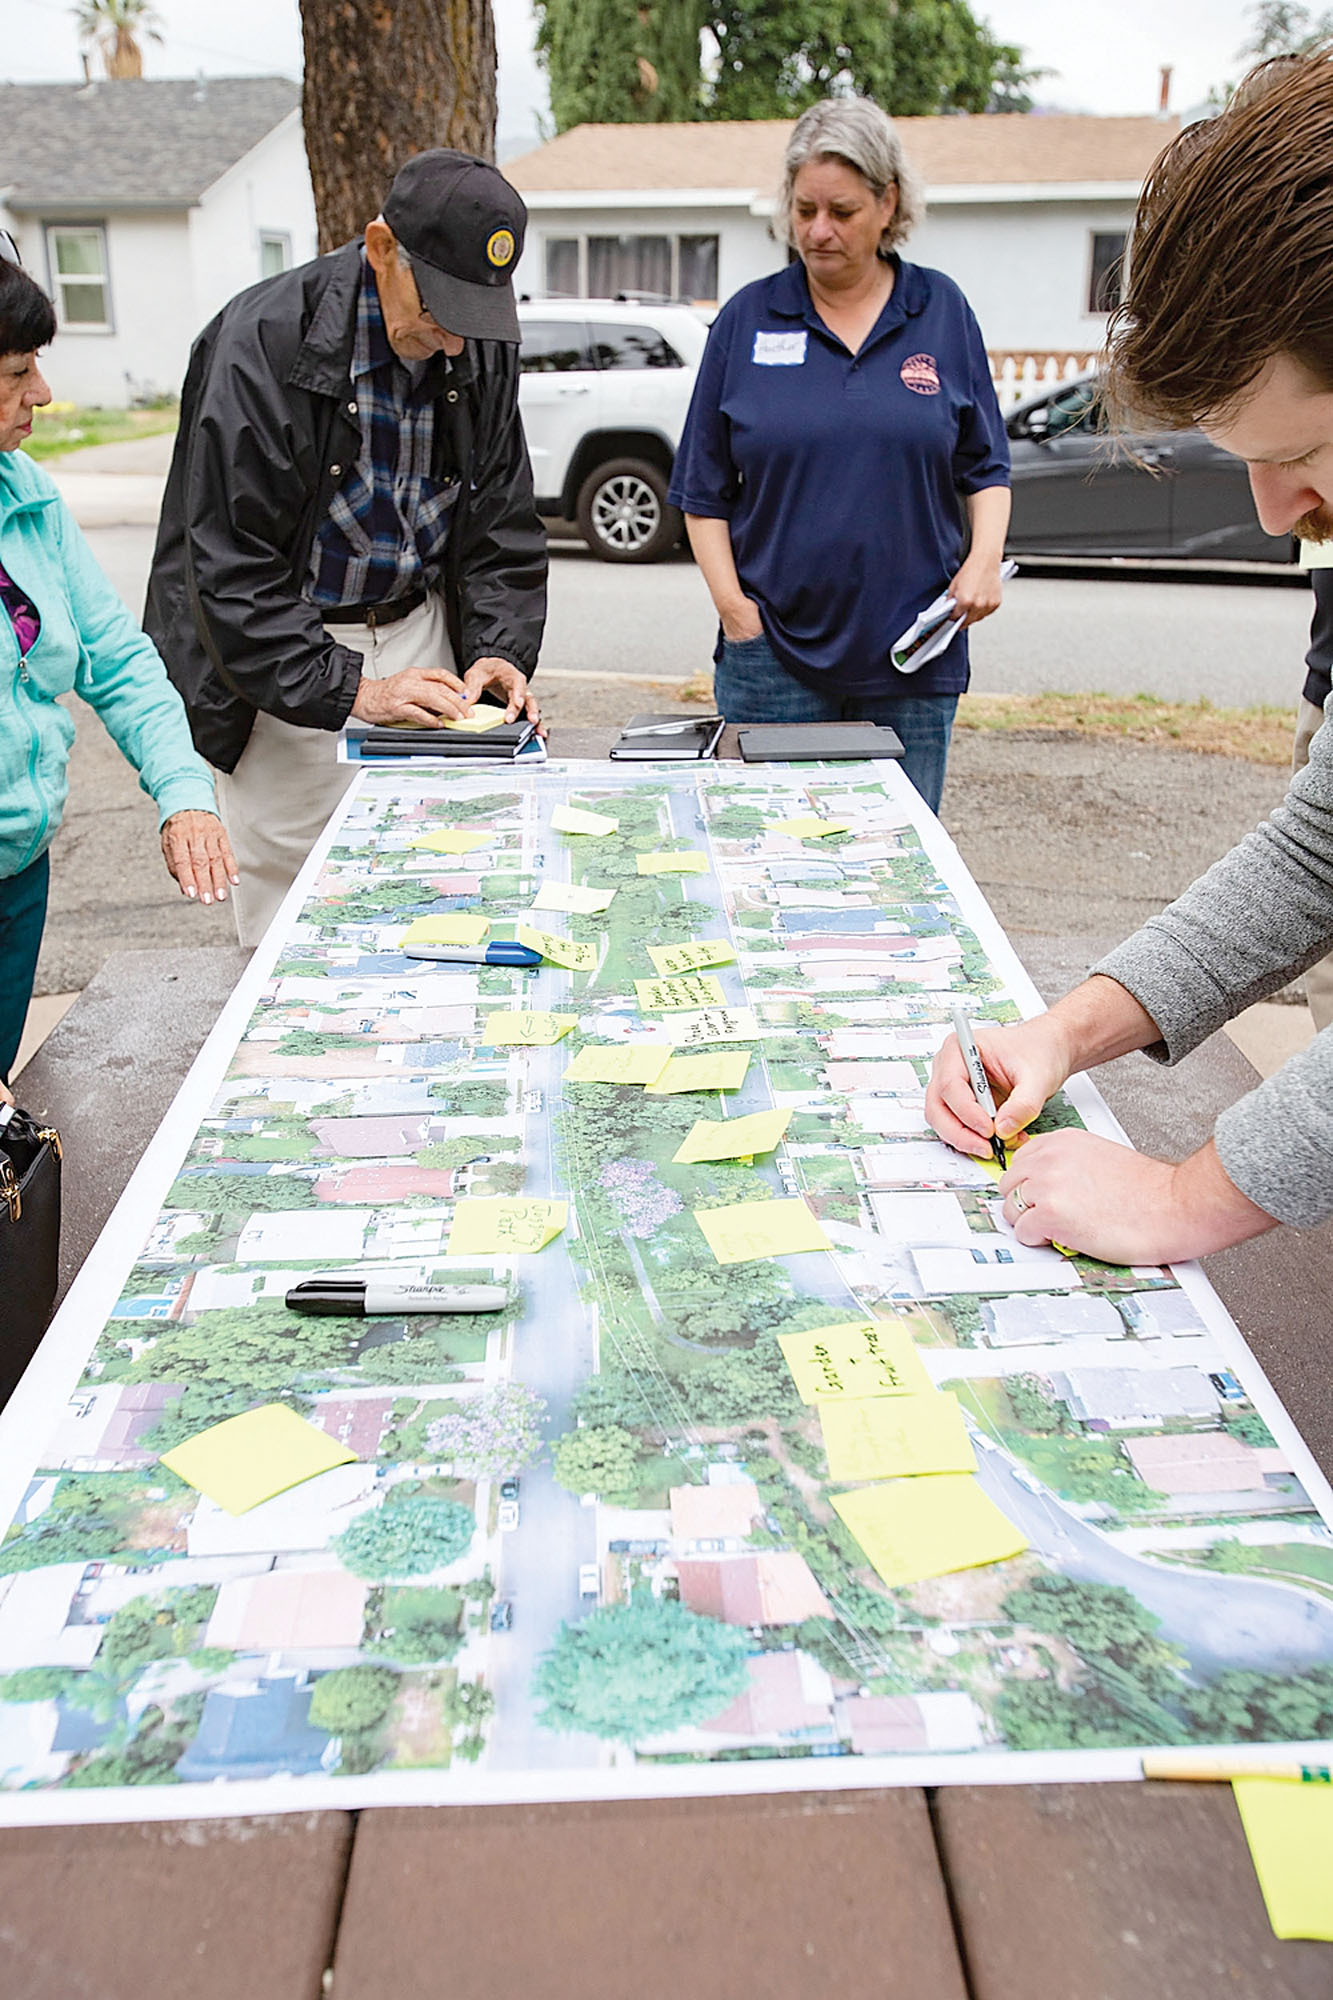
[{"x": 88, "y": 645}]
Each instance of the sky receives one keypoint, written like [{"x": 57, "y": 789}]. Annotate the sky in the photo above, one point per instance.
[{"x": 1105, "y": 54}]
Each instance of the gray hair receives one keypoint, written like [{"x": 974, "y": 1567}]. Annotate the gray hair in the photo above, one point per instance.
[{"x": 855, "y": 131}]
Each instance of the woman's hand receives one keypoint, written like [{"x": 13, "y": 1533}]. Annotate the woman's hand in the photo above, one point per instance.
[
  {"x": 741, "y": 621},
  {"x": 977, "y": 589},
  {"x": 196, "y": 850}
]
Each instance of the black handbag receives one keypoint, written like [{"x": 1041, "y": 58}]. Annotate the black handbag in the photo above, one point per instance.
[{"x": 29, "y": 1239}]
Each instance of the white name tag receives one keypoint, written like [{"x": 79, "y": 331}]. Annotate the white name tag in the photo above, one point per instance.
[{"x": 779, "y": 350}]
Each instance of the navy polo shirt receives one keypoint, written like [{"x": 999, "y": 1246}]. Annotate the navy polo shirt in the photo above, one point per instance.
[{"x": 840, "y": 474}]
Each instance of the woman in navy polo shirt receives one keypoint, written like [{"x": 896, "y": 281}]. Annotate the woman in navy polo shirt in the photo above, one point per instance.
[{"x": 843, "y": 420}]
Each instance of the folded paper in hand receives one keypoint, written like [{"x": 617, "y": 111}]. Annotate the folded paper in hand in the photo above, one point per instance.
[{"x": 932, "y": 630}]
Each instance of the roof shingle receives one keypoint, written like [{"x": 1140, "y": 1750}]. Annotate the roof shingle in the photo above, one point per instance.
[{"x": 142, "y": 143}]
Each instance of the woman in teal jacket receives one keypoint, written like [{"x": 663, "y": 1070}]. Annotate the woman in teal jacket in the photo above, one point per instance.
[{"x": 63, "y": 628}]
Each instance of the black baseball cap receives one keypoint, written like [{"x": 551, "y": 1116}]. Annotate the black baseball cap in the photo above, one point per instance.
[{"x": 462, "y": 225}]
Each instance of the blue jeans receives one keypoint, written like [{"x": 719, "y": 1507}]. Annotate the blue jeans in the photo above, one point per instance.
[
  {"x": 750, "y": 684},
  {"x": 22, "y": 916}
]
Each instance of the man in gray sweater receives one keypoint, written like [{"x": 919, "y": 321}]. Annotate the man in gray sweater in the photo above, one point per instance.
[{"x": 1228, "y": 324}]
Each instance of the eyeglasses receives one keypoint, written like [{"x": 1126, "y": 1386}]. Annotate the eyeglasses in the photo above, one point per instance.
[{"x": 9, "y": 249}]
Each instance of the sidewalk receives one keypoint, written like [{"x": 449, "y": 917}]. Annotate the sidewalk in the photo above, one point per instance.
[{"x": 115, "y": 485}]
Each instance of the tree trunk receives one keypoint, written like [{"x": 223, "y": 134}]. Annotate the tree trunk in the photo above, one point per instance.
[{"x": 385, "y": 79}]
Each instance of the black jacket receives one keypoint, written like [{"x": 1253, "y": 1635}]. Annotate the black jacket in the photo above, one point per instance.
[{"x": 267, "y": 427}]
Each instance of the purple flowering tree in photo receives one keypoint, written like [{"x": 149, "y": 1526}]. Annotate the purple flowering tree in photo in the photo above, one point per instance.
[
  {"x": 491, "y": 1435},
  {"x": 641, "y": 1198}
]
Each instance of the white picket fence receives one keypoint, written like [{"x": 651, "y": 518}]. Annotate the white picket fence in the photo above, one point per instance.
[{"x": 1019, "y": 373}]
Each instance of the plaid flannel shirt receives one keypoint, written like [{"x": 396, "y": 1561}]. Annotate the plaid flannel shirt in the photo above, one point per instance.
[{"x": 389, "y": 521}]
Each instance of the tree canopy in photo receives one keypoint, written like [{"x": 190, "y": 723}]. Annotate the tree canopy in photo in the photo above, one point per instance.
[
  {"x": 406, "y": 1537},
  {"x": 640, "y": 1669}
]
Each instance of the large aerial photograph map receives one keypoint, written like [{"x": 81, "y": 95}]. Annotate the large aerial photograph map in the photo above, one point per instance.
[{"x": 773, "y": 1460}]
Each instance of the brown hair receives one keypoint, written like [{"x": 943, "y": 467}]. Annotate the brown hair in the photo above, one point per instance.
[{"x": 1231, "y": 258}]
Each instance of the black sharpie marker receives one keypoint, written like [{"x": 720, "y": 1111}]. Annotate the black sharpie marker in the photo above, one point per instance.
[{"x": 382, "y": 1295}]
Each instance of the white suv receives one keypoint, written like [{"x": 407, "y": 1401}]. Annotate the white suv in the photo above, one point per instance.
[{"x": 604, "y": 392}]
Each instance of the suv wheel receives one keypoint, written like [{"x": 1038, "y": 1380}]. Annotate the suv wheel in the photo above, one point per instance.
[{"x": 623, "y": 512}]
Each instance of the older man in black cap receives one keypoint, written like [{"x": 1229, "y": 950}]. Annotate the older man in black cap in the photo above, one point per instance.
[{"x": 348, "y": 527}]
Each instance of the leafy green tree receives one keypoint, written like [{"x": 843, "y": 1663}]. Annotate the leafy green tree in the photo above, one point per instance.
[
  {"x": 259, "y": 1350},
  {"x": 1240, "y": 1706},
  {"x": 241, "y": 1194},
  {"x": 1037, "y": 1715},
  {"x": 469, "y": 1702},
  {"x": 451, "y": 1153},
  {"x": 352, "y": 1698},
  {"x": 596, "y": 1460},
  {"x": 1099, "y": 1620},
  {"x": 36, "y": 1684},
  {"x": 634, "y": 1670},
  {"x": 620, "y": 62},
  {"x": 153, "y": 1628},
  {"x": 480, "y": 1099},
  {"x": 1249, "y": 1427},
  {"x": 1033, "y": 1404},
  {"x": 406, "y": 1537}
]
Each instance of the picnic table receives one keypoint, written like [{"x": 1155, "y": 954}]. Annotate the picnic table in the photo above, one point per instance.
[{"x": 1052, "y": 1892}]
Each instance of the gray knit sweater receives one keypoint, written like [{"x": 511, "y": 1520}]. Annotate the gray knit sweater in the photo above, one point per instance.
[{"x": 1256, "y": 919}]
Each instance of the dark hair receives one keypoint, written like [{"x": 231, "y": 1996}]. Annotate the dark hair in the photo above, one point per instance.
[
  {"x": 1231, "y": 258},
  {"x": 27, "y": 318}
]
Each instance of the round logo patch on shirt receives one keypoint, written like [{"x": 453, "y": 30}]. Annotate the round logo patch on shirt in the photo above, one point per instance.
[
  {"x": 920, "y": 374},
  {"x": 500, "y": 248}
]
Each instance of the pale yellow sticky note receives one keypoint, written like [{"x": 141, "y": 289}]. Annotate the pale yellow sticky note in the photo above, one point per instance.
[
  {"x": 244, "y": 1460},
  {"x": 572, "y": 896},
  {"x": 909, "y": 1533},
  {"x": 1289, "y": 1827},
  {"x": 526, "y": 1031},
  {"x": 691, "y": 863},
  {"x": 560, "y": 950},
  {"x": 573, "y": 819},
  {"x": 732, "y": 1138},
  {"x": 752, "y": 1229},
  {"x": 724, "y": 1071},
  {"x": 454, "y": 840},
  {"x": 490, "y": 1228},
  {"x": 627, "y": 1062},
  {"x": 886, "y": 1437},
  {"x": 459, "y": 930},
  {"x": 664, "y": 996},
  {"x": 857, "y": 1358},
  {"x": 478, "y": 722},
  {"x": 808, "y": 826},
  {"x": 712, "y": 1024},
  {"x": 672, "y": 959}
]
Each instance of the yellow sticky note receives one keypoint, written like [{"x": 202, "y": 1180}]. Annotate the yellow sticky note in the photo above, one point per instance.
[
  {"x": 627, "y": 1062},
  {"x": 572, "y": 896},
  {"x": 857, "y": 1358},
  {"x": 454, "y": 840},
  {"x": 752, "y": 1229},
  {"x": 672, "y": 864},
  {"x": 1289, "y": 1827},
  {"x": 490, "y": 1228},
  {"x": 732, "y": 1138},
  {"x": 244, "y": 1460},
  {"x": 908, "y": 1535},
  {"x": 725, "y": 1071},
  {"x": 665, "y": 996},
  {"x": 712, "y": 1024},
  {"x": 885, "y": 1437},
  {"x": 478, "y": 722},
  {"x": 526, "y": 1031},
  {"x": 460, "y": 930},
  {"x": 808, "y": 826},
  {"x": 560, "y": 950},
  {"x": 672, "y": 959},
  {"x": 573, "y": 819}
]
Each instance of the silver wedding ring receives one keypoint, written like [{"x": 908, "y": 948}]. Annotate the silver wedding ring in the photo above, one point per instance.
[{"x": 1019, "y": 1202}]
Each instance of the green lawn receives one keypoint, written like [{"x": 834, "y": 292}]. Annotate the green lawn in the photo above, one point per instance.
[{"x": 72, "y": 428}]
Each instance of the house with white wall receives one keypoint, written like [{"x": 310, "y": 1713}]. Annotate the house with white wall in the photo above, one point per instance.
[
  {"x": 1029, "y": 214},
  {"x": 142, "y": 206}
]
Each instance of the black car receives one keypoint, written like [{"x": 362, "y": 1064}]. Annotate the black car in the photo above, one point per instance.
[
  {"x": 1080, "y": 492},
  {"x": 509, "y": 1488},
  {"x": 502, "y": 1614}
]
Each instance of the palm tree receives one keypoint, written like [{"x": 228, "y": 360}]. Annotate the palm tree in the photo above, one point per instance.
[{"x": 114, "y": 29}]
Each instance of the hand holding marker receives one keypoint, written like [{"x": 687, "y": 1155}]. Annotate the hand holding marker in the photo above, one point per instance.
[{"x": 977, "y": 1077}]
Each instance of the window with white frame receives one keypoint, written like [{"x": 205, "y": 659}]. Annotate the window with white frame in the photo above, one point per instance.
[
  {"x": 598, "y": 267},
  {"x": 275, "y": 253},
  {"x": 1106, "y": 270},
  {"x": 76, "y": 255}
]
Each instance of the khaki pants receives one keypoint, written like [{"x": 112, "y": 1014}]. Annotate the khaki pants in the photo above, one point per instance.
[
  {"x": 277, "y": 801},
  {"x": 1319, "y": 978}
]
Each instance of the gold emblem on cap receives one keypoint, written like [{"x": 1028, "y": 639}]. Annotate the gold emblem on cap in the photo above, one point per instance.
[{"x": 500, "y": 248}]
